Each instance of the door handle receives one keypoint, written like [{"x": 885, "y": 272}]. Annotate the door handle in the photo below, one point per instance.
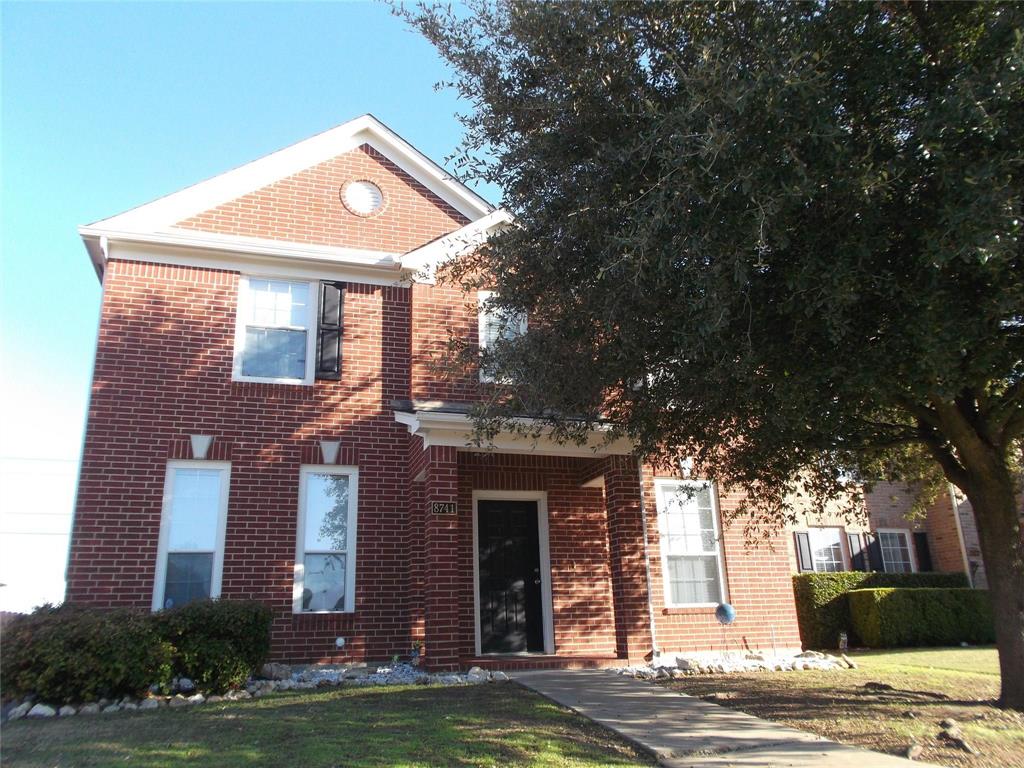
[{"x": 536, "y": 581}]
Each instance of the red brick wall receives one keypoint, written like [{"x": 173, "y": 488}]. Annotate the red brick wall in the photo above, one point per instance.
[
  {"x": 759, "y": 585},
  {"x": 163, "y": 371},
  {"x": 307, "y": 208}
]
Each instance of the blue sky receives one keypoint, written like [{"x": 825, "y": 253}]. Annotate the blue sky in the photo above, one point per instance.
[{"x": 106, "y": 106}]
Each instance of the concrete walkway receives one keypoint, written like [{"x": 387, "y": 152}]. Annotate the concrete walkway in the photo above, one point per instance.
[{"x": 683, "y": 731}]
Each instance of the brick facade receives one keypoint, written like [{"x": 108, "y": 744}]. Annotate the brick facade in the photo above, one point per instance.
[{"x": 164, "y": 371}]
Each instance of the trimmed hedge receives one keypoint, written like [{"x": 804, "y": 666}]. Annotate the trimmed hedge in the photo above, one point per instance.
[
  {"x": 217, "y": 643},
  {"x": 892, "y": 618},
  {"x": 74, "y": 654},
  {"x": 823, "y": 610},
  {"x": 70, "y": 654}
]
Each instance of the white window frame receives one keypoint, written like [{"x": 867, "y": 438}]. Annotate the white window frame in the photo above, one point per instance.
[
  {"x": 907, "y": 538},
  {"x": 160, "y": 575},
  {"x": 663, "y": 486},
  {"x": 350, "y": 535},
  {"x": 312, "y": 309},
  {"x": 844, "y": 556},
  {"x": 482, "y": 298}
]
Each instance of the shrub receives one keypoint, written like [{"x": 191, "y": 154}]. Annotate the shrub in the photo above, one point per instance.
[
  {"x": 888, "y": 618},
  {"x": 823, "y": 610},
  {"x": 218, "y": 643},
  {"x": 71, "y": 654}
]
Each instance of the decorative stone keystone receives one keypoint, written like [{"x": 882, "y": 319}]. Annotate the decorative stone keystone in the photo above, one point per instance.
[{"x": 200, "y": 445}]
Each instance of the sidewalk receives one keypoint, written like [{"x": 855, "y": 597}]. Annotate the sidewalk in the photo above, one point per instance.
[{"x": 685, "y": 732}]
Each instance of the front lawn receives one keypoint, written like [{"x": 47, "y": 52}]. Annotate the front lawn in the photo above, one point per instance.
[
  {"x": 926, "y": 686},
  {"x": 485, "y": 725}
]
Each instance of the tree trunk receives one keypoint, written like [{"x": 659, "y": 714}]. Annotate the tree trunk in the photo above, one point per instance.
[{"x": 992, "y": 494}]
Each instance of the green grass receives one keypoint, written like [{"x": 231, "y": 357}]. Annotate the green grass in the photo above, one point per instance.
[
  {"x": 403, "y": 727},
  {"x": 981, "y": 661},
  {"x": 927, "y": 686}
]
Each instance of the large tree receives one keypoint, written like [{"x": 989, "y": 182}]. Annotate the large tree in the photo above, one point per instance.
[{"x": 784, "y": 239}]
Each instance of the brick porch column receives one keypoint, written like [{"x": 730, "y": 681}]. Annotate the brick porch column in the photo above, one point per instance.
[
  {"x": 441, "y": 567},
  {"x": 626, "y": 544}
]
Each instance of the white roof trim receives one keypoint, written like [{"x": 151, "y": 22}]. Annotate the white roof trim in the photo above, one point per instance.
[
  {"x": 456, "y": 430},
  {"x": 166, "y": 211},
  {"x": 425, "y": 260}
]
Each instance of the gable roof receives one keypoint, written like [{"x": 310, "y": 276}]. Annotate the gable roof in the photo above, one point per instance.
[{"x": 155, "y": 220}]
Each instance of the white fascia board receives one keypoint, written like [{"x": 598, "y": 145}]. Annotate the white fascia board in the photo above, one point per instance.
[
  {"x": 239, "y": 244},
  {"x": 424, "y": 261},
  {"x": 303, "y": 266},
  {"x": 456, "y": 430},
  {"x": 170, "y": 209}
]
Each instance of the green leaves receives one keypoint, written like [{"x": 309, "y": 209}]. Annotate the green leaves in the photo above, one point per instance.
[{"x": 788, "y": 221}]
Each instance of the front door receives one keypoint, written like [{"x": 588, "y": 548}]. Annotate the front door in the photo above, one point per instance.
[{"x": 510, "y": 580}]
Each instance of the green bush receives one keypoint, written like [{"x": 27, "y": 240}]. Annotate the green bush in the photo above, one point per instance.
[
  {"x": 823, "y": 610},
  {"x": 217, "y": 643},
  {"x": 892, "y": 618},
  {"x": 71, "y": 654}
]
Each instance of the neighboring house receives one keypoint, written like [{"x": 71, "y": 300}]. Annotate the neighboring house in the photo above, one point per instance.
[
  {"x": 888, "y": 537},
  {"x": 266, "y": 422}
]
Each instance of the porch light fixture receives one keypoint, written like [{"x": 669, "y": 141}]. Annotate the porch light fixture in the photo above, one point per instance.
[{"x": 200, "y": 445}]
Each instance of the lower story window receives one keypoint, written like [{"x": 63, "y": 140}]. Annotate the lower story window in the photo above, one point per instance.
[
  {"x": 691, "y": 557},
  {"x": 325, "y": 551},
  {"x": 190, "y": 554},
  {"x": 827, "y": 550},
  {"x": 895, "y": 550}
]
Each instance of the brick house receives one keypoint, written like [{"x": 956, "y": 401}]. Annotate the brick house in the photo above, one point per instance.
[
  {"x": 886, "y": 536},
  {"x": 265, "y": 422}
]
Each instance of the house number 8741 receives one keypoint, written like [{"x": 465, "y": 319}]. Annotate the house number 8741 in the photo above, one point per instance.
[{"x": 442, "y": 507}]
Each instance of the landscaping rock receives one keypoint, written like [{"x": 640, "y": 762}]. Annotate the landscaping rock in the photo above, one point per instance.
[
  {"x": 275, "y": 671},
  {"x": 131, "y": 706},
  {"x": 913, "y": 751},
  {"x": 477, "y": 675},
  {"x": 41, "y": 710},
  {"x": 67, "y": 711},
  {"x": 178, "y": 701},
  {"x": 185, "y": 685},
  {"x": 197, "y": 699},
  {"x": 214, "y": 699},
  {"x": 19, "y": 711},
  {"x": 110, "y": 709},
  {"x": 149, "y": 704},
  {"x": 849, "y": 662},
  {"x": 89, "y": 709},
  {"x": 948, "y": 722},
  {"x": 498, "y": 676}
]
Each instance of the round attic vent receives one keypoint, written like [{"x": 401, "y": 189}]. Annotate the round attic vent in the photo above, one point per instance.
[{"x": 362, "y": 197}]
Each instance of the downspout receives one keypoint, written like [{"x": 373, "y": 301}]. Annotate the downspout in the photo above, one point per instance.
[
  {"x": 647, "y": 563},
  {"x": 960, "y": 533}
]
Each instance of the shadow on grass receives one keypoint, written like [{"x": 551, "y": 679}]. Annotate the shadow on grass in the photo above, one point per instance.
[{"x": 421, "y": 726}]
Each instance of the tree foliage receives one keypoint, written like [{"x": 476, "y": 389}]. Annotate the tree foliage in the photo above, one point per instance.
[{"x": 782, "y": 238}]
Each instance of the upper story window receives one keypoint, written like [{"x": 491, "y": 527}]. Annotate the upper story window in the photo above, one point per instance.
[
  {"x": 190, "y": 553},
  {"x": 325, "y": 553},
  {"x": 690, "y": 546},
  {"x": 495, "y": 325},
  {"x": 288, "y": 331}
]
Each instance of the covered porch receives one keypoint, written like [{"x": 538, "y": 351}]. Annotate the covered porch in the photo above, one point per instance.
[{"x": 528, "y": 554}]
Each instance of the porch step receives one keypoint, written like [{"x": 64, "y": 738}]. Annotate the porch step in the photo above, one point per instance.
[{"x": 516, "y": 662}]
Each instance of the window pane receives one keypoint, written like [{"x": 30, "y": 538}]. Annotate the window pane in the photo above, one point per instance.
[
  {"x": 694, "y": 580},
  {"x": 324, "y": 583},
  {"x": 188, "y": 578},
  {"x": 326, "y": 512},
  {"x": 826, "y": 550},
  {"x": 195, "y": 509},
  {"x": 688, "y": 520},
  {"x": 278, "y": 302},
  {"x": 274, "y": 354},
  {"x": 895, "y": 552}
]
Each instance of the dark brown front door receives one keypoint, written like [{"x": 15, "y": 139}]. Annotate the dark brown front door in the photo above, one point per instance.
[{"x": 511, "y": 618}]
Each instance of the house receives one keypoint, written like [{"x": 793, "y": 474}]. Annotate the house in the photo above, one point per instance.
[
  {"x": 887, "y": 537},
  {"x": 266, "y": 422}
]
